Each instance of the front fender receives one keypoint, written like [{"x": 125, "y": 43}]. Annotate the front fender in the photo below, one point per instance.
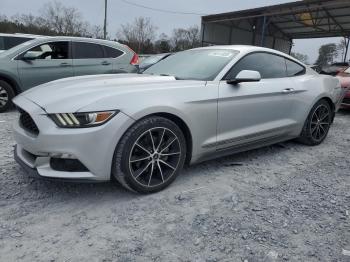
[{"x": 158, "y": 110}]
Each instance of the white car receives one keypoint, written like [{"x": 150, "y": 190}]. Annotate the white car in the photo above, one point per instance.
[{"x": 195, "y": 105}]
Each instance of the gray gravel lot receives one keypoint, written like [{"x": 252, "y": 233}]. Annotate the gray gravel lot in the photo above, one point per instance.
[{"x": 285, "y": 202}]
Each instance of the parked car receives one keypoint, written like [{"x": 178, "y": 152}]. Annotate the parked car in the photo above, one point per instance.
[
  {"x": 7, "y": 41},
  {"x": 344, "y": 78},
  {"x": 49, "y": 58},
  {"x": 151, "y": 60},
  {"x": 195, "y": 105},
  {"x": 334, "y": 68}
]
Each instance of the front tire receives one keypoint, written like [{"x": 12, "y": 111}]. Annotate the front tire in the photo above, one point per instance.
[
  {"x": 150, "y": 155},
  {"x": 317, "y": 124},
  {"x": 6, "y": 96}
]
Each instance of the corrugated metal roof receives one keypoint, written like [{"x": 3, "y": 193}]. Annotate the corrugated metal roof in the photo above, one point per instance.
[{"x": 297, "y": 20}]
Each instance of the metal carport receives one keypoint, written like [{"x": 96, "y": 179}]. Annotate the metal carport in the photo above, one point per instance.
[{"x": 276, "y": 26}]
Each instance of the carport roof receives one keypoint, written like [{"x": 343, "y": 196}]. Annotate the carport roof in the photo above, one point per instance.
[{"x": 297, "y": 20}]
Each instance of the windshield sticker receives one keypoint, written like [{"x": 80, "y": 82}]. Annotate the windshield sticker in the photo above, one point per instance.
[{"x": 221, "y": 54}]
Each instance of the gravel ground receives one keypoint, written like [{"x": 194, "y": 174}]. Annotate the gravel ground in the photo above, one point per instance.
[{"x": 285, "y": 202}]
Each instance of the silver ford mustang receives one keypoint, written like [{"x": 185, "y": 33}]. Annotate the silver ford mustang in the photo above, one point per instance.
[{"x": 141, "y": 129}]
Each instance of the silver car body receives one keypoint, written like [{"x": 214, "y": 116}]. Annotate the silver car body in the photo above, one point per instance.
[{"x": 221, "y": 118}]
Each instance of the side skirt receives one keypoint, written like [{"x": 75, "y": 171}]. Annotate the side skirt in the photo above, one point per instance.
[{"x": 243, "y": 147}]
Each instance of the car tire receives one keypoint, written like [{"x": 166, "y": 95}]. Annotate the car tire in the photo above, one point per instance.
[
  {"x": 150, "y": 155},
  {"x": 6, "y": 96},
  {"x": 317, "y": 124}
]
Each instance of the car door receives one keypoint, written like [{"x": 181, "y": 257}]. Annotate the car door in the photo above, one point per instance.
[
  {"x": 89, "y": 59},
  {"x": 252, "y": 112},
  {"x": 44, "y": 63}
]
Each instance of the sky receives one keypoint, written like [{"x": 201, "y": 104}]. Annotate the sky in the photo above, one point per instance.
[{"x": 120, "y": 12}]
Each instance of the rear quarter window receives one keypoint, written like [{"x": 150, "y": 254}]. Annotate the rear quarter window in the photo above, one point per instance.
[{"x": 112, "y": 52}]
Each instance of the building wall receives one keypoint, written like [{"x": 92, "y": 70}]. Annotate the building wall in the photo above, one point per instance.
[{"x": 242, "y": 34}]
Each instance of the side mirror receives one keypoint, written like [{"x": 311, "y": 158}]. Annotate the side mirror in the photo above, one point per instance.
[
  {"x": 29, "y": 56},
  {"x": 245, "y": 76}
]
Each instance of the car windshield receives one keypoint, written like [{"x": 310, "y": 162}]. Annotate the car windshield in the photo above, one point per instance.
[{"x": 197, "y": 64}]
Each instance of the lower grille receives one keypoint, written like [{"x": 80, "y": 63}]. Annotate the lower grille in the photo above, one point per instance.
[
  {"x": 67, "y": 165},
  {"x": 346, "y": 101},
  {"x": 27, "y": 122}
]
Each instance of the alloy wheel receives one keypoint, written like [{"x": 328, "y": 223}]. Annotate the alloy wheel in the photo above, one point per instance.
[
  {"x": 4, "y": 97},
  {"x": 320, "y": 122},
  {"x": 154, "y": 157}
]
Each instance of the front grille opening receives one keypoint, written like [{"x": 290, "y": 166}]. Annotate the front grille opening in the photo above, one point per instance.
[
  {"x": 27, "y": 122},
  {"x": 67, "y": 165}
]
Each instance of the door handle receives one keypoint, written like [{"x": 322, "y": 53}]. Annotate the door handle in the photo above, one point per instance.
[
  {"x": 65, "y": 64},
  {"x": 288, "y": 90},
  {"x": 105, "y": 63}
]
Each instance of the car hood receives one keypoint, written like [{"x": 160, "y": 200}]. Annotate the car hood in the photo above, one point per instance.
[{"x": 69, "y": 95}]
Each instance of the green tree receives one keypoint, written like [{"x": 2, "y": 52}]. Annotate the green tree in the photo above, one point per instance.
[
  {"x": 301, "y": 57},
  {"x": 183, "y": 39},
  {"x": 162, "y": 45},
  {"x": 342, "y": 48},
  {"x": 326, "y": 54}
]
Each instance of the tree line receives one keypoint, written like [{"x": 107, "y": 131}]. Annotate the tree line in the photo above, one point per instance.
[
  {"x": 327, "y": 54},
  {"x": 140, "y": 35}
]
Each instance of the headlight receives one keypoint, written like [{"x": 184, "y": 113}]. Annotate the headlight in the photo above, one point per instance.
[{"x": 79, "y": 120}]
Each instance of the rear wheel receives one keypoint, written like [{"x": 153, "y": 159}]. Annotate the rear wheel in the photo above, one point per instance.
[
  {"x": 150, "y": 155},
  {"x": 6, "y": 96},
  {"x": 317, "y": 124}
]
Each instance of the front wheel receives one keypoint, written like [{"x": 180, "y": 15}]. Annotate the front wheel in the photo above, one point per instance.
[
  {"x": 150, "y": 155},
  {"x": 6, "y": 96},
  {"x": 317, "y": 124}
]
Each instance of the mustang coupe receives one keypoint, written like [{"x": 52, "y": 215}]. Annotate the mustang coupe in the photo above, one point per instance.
[{"x": 141, "y": 129}]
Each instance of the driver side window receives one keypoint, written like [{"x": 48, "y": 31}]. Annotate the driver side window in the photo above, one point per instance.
[
  {"x": 268, "y": 65},
  {"x": 50, "y": 51}
]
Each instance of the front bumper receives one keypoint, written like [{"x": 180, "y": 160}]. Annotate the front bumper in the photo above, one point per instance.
[
  {"x": 93, "y": 147},
  {"x": 33, "y": 172}
]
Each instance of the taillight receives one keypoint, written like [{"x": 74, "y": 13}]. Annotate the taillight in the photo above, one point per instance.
[{"x": 135, "y": 60}]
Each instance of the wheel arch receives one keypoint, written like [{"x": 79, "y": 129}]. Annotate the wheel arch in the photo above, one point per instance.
[
  {"x": 331, "y": 104},
  {"x": 184, "y": 128},
  {"x": 12, "y": 82}
]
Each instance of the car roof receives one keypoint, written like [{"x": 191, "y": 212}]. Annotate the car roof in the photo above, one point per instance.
[
  {"x": 22, "y": 35},
  {"x": 76, "y": 38},
  {"x": 81, "y": 39}
]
